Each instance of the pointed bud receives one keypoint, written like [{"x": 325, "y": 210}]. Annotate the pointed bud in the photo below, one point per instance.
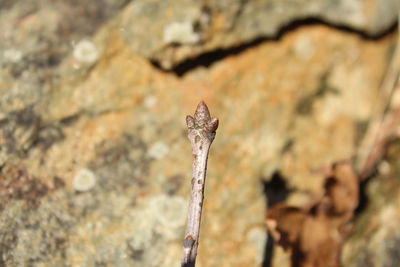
[
  {"x": 212, "y": 125},
  {"x": 189, "y": 121},
  {"x": 202, "y": 115}
]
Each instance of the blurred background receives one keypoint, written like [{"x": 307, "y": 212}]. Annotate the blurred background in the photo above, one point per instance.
[{"x": 95, "y": 164}]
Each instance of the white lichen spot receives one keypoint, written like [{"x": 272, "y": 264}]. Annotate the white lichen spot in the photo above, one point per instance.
[
  {"x": 12, "y": 55},
  {"x": 170, "y": 210},
  {"x": 158, "y": 150},
  {"x": 85, "y": 52},
  {"x": 180, "y": 33},
  {"x": 84, "y": 180},
  {"x": 150, "y": 101},
  {"x": 258, "y": 236}
]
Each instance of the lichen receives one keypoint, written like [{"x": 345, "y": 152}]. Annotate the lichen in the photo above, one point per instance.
[
  {"x": 180, "y": 33},
  {"x": 84, "y": 180},
  {"x": 170, "y": 210},
  {"x": 85, "y": 52},
  {"x": 158, "y": 150},
  {"x": 150, "y": 101},
  {"x": 257, "y": 237},
  {"x": 12, "y": 55}
]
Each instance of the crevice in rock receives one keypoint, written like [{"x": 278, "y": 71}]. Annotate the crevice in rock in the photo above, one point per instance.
[
  {"x": 209, "y": 58},
  {"x": 374, "y": 173},
  {"x": 275, "y": 191},
  {"x": 363, "y": 196}
]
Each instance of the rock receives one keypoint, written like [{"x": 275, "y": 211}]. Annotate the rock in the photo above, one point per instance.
[
  {"x": 85, "y": 52},
  {"x": 158, "y": 150},
  {"x": 376, "y": 237},
  {"x": 204, "y": 26},
  {"x": 18, "y": 132},
  {"x": 84, "y": 180},
  {"x": 180, "y": 33},
  {"x": 43, "y": 33},
  {"x": 290, "y": 107}
]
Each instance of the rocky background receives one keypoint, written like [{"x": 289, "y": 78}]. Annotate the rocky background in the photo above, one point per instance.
[{"x": 95, "y": 164}]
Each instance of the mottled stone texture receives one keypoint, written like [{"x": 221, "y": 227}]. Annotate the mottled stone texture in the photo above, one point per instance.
[
  {"x": 288, "y": 107},
  {"x": 229, "y": 23},
  {"x": 376, "y": 239}
]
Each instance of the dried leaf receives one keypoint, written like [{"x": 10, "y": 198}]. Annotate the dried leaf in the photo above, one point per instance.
[{"x": 314, "y": 234}]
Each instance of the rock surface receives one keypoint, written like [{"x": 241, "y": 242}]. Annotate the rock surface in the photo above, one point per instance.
[
  {"x": 376, "y": 238},
  {"x": 287, "y": 107},
  {"x": 213, "y": 25}
]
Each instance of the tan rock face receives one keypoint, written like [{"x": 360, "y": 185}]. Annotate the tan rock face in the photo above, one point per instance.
[{"x": 290, "y": 106}]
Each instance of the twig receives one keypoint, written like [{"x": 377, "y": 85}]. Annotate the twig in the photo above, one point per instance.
[
  {"x": 201, "y": 134},
  {"x": 385, "y": 120}
]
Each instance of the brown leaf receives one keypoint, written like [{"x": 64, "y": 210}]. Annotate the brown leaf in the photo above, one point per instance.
[
  {"x": 285, "y": 224},
  {"x": 314, "y": 234}
]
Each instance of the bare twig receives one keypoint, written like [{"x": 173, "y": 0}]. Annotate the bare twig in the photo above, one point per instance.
[
  {"x": 201, "y": 134},
  {"x": 385, "y": 121}
]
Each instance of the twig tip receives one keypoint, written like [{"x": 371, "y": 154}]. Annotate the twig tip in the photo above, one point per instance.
[{"x": 202, "y": 114}]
